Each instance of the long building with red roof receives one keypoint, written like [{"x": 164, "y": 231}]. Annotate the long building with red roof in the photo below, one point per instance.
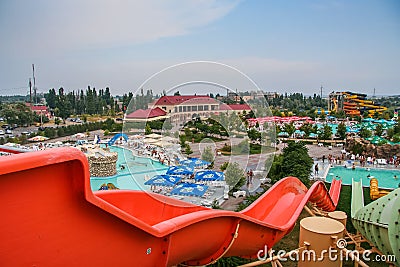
[{"x": 181, "y": 109}]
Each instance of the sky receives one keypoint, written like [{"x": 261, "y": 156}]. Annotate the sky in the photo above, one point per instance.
[{"x": 283, "y": 46}]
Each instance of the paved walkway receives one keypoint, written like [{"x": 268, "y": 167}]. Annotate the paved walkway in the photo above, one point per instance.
[
  {"x": 323, "y": 169},
  {"x": 247, "y": 162}
]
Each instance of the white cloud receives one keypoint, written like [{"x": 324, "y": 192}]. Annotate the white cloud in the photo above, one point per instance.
[{"x": 62, "y": 26}]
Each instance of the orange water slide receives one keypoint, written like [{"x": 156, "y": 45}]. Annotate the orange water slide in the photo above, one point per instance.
[{"x": 51, "y": 218}]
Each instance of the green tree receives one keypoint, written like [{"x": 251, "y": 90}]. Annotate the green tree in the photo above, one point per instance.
[
  {"x": 325, "y": 133},
  {"x": 254, "y": 135},
  {"x": 378, "y": 130},
  {"x": 307, "y": 128},
  {"x": 294, "y": 161},
  {"x": 290, "y": 128},
  {"x": 208, "y": 154},
  {"x": 188, "y": 150},
  {"x": 60, "y": 132},
  {"x": 51, "y": 98},
  {"x": 390, "y": 133},
  {"x": 147, "y": 129},
  {"x": 234, "y": 175},
  {"x": 223, "y": 166},
  {"x": 57, "y": 121},
  {"x": 364, "y": 132},
  {"x": 50, "y": 132},
  {"x": 341, "y": 131}
]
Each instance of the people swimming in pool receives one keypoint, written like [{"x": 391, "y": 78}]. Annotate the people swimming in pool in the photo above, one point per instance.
[
  {"x": 395, "y": 177},
  {"x": 353, "y": 167}
]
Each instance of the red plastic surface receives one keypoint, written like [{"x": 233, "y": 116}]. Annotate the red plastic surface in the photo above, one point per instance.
[{"x": 51, "y": 217}]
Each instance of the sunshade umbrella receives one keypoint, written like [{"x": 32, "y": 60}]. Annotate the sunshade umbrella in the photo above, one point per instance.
[
  {"x": 209, "y": 175},
  {"x": 180, "y": 170},
  {"x": 79, "y": 135},
  {"x": 194, "y": 162},
  {"x": 283, "y": 134},
  {"x": 187, "y": 189},
  {"x": 163, "y": 180},
  {"x": 154, "y": 135},
  {"x": 38, "y": 138}
]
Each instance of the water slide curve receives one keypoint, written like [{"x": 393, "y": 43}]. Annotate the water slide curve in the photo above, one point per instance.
[
  {"x": 378, "y": 221},
  {"x": 116, "y": 137},
  {"x": 51, "y": 216}
]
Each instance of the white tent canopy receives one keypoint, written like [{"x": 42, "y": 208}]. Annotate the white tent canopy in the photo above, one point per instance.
[{"x": 153, "y": 135}]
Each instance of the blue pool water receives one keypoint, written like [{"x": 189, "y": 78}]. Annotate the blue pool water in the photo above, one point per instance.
[
  {"x": 385, "y": 177},
  {"x": 132, "y": 177}
]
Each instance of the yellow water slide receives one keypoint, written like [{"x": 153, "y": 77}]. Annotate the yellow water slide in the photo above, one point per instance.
[{"x": 374, "y": 191}]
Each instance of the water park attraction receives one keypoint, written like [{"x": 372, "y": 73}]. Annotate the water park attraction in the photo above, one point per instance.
[
  {"x": 377, "y": 222},
  {"x": 353, "y": 104},
  {"x": 54, "y": 217}
]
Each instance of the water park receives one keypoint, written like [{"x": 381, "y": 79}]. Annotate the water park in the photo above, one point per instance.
[{"x": 155, "y": 204}]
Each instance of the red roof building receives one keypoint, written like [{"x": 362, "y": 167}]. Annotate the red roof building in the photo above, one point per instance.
[
  {"x": 183, "y": 108},
  {"x": 146, "y": 115},
  {"x": 178, "y": 99},
  {"x": 39, "y": 109},
  {"x": 235, "y": 107}
]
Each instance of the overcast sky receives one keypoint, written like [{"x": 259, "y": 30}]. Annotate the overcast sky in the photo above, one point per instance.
[{"x": 284, "y": 46}]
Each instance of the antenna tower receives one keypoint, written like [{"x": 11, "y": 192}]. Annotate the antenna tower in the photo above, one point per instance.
[
  {"x": 34, "y": 83},
  {"x": 30, "y": 91}
]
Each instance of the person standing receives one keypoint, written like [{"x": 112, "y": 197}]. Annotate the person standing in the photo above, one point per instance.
[{"x": 316, "y": 169}]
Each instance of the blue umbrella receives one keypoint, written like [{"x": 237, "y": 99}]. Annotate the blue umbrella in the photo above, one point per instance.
[
  {"x": 187, "y": 189},
  {"x": 194, "y": 162},
  {"x": 283, "y": 134},
  {"x": 163, "y": 180},
  {"x": 209, "y": 175},
  {"x": 180, "y": 170},
  {"x": 352, "y": 130},
  {"x": 299, "y": 132}
]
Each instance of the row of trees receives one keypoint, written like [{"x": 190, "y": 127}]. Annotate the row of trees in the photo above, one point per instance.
[
  {"x": 20, "y": 114},
  {"x": 324, "y": 133},
  {"x": 62, "y": 131},
  {"x": 91, "y": 102},
  {"x": 297, "y": 102}
]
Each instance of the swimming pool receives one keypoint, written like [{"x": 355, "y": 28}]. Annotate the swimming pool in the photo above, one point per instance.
[
  {"x": 385, "y": 177},
  {"x": 132, "y": 176}
]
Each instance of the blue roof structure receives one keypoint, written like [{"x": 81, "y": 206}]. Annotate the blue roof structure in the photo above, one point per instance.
[
  {"x": 194, "y": 162},
  {"x": 187, "y": 189},
  {"x": 209, "y": 175},
  {"x": 180, "y": 170},
  {"x": 163, "y": 180}
]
